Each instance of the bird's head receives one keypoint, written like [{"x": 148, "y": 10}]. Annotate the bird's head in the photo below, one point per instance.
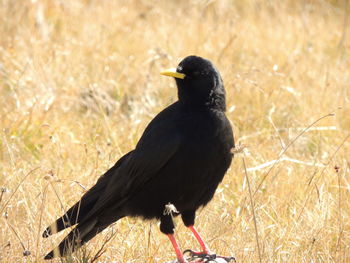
[{"x": 198, "y": 82}]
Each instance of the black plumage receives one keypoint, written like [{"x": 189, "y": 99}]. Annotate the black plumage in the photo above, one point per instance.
[{"x": 180, "y": 159}]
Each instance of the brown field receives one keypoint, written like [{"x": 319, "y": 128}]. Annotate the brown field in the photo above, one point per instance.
[{"x": 79, "y": 81}]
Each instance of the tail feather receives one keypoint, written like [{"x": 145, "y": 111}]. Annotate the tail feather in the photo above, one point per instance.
[
  {"x": 78, "y": 212},
  {"x": 74, "y": 215},
  {"x": 75, "y": 239},
  {"x": 81, "y": 234}
]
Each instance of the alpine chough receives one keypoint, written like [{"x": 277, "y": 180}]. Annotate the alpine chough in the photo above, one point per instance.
[{"x": 180, "y": 159}]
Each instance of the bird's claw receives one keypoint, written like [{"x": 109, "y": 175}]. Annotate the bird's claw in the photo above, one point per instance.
[{"x": 194, "y": 256}]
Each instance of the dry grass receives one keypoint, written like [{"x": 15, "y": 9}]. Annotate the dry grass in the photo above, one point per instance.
[{"x": 79, "y": 80}]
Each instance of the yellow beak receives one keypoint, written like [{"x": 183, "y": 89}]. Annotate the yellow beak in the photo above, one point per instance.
[{"x": 173, "y": 73}]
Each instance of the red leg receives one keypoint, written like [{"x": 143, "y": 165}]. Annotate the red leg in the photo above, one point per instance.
[
  {"x": 204, "y": 247},
  {"x": 178, "y": 252}
]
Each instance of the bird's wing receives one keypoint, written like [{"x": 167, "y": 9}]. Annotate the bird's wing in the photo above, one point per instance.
[{"x": 156, "y": 147}]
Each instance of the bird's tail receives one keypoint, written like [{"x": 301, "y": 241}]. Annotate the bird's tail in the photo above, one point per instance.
[
  {"x": 60, "y": 224},
  {"x": 76, "y": 238},
  {"x": 73, "y": 216},
  {"x": 78, "y": 212}
]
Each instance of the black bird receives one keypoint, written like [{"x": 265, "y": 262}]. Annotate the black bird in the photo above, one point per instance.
[{"x": 180, "y": 159}]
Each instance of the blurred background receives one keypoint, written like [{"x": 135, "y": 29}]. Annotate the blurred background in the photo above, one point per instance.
[{"x": 79, "y": 81}]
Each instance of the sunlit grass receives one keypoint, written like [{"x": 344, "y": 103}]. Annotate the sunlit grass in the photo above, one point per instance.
[{"x": 79, "y": 81}]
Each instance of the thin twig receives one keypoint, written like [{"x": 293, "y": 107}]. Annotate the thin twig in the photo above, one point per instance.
[
  {"x": 253, "y": 211},
  {"x": 102, "y": 249},
  {"x": 57, "y": 195},
  {"x": 331, "y": 158},
  {"x": 42, "y": 208},
  {"x": 3, "y": 190},
  {"x": 323, "y": 170},
  {"x": 18, "y": 186},
  {"x": 284, "y": 158},
  {"x": 292, "y": 129},
  {"x": 339, "y": 210},
  {"x": 16, "y": 234},
  {"x": 287, "y": 147}
]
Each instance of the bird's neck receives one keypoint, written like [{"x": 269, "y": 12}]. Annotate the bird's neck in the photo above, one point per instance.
[{"x": 215, "y": 101}]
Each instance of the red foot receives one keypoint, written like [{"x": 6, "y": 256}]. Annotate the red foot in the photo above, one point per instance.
[{"x": 200, "y": 240}]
